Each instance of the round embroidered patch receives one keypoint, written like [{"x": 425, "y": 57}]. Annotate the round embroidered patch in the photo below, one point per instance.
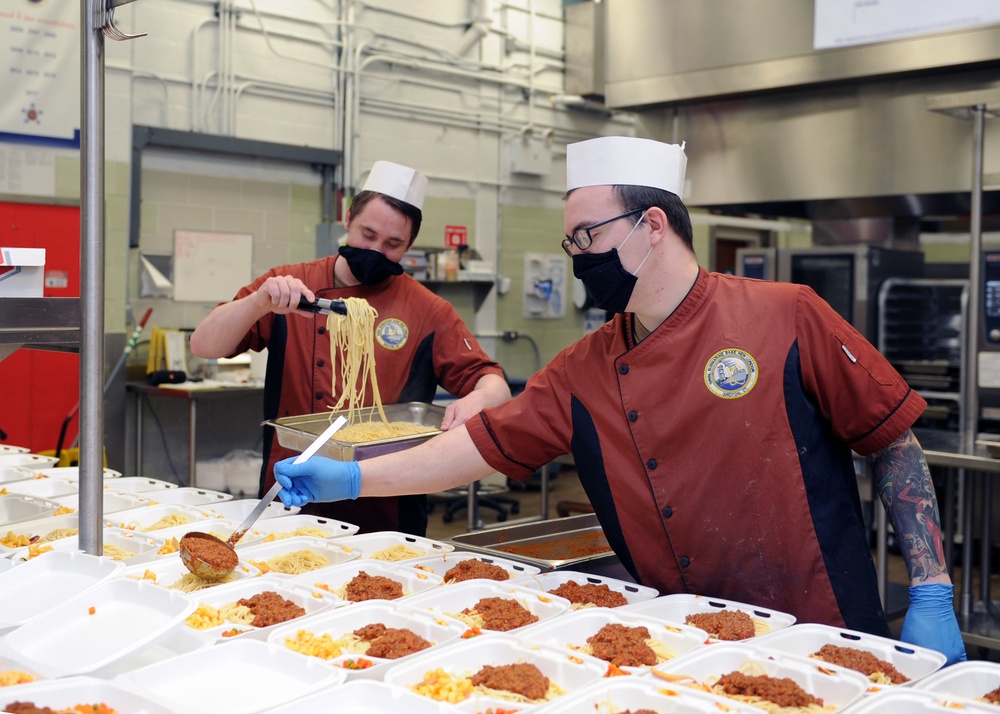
[
  {"x": 392, "y": 333},
  {"x": 730, "y": 373}
]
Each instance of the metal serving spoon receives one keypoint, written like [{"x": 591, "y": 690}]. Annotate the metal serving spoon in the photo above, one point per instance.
[{"x": 221, "y": 557}]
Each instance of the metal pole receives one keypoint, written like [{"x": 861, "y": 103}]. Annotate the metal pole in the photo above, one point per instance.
[
  {"x": 91, "y": 278},
  {"x": 970, "y": 423}
]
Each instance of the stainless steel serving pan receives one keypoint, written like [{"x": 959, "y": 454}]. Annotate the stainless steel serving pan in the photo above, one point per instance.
[{"x": 298, "y": 432}]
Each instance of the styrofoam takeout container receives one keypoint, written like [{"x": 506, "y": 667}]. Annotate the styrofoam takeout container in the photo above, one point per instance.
[
  {"x": 676, "y": 607},
  {"x": 345, "y": 620},
  {"x": 44, "y": 487},
  {"x": 33, "y": 462},
  {"x": 915, "y": 701},
  {"x": 11, "y": 474},
  {"x": 618, "y": 694},
  {"x": 836, "y": 687},
  {"x": 142, "y": 517},
  {"x": 287, "y": 524},
  {"x": 238, "y": 509},
  {"x": 16, "y": 508},
  {"x": 571, "y": 631},
  {"x": 95, "y": 628},
  {"x": 140, "y": 484},
  {"x": 441, "y": 564},
  {"x": 111, "y": 501},
  {"x": 8, "y": 667},
  {"x": 466, "y": 658},
  {"x": 40, "y": 527},
  {"x": 551, "y": 580},
  {"x": 240, "y": 678},
  {"x": 143, "y": 546},
  {"x": 335, "y": 577},
  {"x": 191, "y": 496},
  {"x": 803, "y": 640},
  {"x": 971, "y": 680},
  {"x": 168, "y": 571},
  {"x": 371, "y": 543},
  {"x": 453, "y": 599},
  {"x": 72, "y": 473},
  {"x": 365, "y": 697},
  {"x": 61, "y": 694},
  {"x": 11, "y": 449},
  {"x": 334, "y": 551},
  {"x": 46, "y": 581}
]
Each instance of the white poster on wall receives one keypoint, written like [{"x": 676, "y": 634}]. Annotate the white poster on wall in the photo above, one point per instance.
[
  {"x": 211, "y": 267},
  {"x": 40, "y": 69},
  {"x": 843, "y": 23},
  {"x": 544, "y": 285}
]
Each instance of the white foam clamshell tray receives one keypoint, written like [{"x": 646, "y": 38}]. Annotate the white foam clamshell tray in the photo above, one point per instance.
[
  {"x": 72, "y": 472},
  {"x": 143, "y": 546},
  {"x": 335, "y": 577},
  {"x": 44, "y": 487},
  {"x": 141, "y": 484},
  {"x": 40, "y": 527},
  {"x": 15, "y": 508},
  {"x": 571, "y": 631},
  {"x": 334, "y": 551},
  {"x": 142, "y": 517},
  {"x": 46, "y": 581},
  {"x": 6, "y": 564},
  {"x": 906, "y": 700},
  {"x": 460, "y": 596},
  {"x": 371, "y": 543},
  {"x": 33, "y": 462},
  {"x": 97, "y": 627},
  {"x": 965, "y": 679},
  {"x": 632, "y": 592},
  {"x": 803, "y": 640},
  {"x": 837, "y": 688},
  {"x": 466, "y": 658},
  {"x": 192, "y": 496},
  {"x": 10, "y": 474},
  {"x": 309, "y": 599},
  {"x": 365, "y": 697},
  {"x": 111, "y": 501},
  {"x": 241, "y": 678},
  {"x": 618, "y": 694},
  {"x": 221, "y": 528},
  {"x": 288, "y": 524},
  {"x": 345, "y": 620},
  {"x": 238, "y": 509},
  {"x": 11, "y": 449},
  {"x": 168, "y": 571},
  {"x": 9, "y": 666},
  {"x": 441, "y": 564},
  {"x": 62, "y": 694},
  {"x": 676, "y": 607}
]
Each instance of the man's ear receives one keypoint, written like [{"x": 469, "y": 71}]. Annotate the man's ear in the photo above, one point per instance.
[
  {"x": 659, "y": 225},
  {"x": 347, "y": 219}
]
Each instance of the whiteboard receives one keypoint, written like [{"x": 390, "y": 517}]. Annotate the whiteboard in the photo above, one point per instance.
[{"x": 211, "y": 267}]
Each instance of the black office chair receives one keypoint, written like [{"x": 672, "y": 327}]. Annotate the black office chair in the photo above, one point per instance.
[{"x": 457, "y": 500}]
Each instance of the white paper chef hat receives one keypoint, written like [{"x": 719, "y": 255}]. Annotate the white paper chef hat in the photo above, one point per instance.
[
  {"x": 400, "y": 182},
  {"x": 625, "y": 161}
]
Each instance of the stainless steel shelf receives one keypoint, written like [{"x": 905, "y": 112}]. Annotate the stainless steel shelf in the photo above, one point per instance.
[{"x": 39, "y": 323}]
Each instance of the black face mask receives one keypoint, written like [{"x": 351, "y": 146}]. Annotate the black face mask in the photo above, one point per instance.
[
  {"x": 605, "y": 278},
  {"x": 369, "y": 266}
]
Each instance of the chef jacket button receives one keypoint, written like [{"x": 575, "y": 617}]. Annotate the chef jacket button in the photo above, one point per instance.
[
  {"x": 651, "y": 463},
  {"x": 632, "y": 416},
  {"x": 623, "y": 369},
  {"x": 321, "y": 330},
  {"x": 667, "y": 511},
  {"x": 685, "y": 561},
  {"x": 319, "y": 395},
  {"x": 320, "y": 363}
]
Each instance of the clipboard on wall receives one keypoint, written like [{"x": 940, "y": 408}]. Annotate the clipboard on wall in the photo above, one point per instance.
[{"x": 211, "y": 267}]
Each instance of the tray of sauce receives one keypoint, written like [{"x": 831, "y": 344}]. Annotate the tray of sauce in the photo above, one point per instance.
[{"x": 556, "y": 543}]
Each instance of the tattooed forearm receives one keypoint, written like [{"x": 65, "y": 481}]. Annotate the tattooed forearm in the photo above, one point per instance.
[{"x": 903, "y": 482}]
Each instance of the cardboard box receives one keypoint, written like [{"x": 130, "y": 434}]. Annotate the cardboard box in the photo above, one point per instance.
[{"x": 22, "y": 272}]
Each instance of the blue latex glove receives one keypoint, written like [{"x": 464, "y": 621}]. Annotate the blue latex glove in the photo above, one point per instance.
[
  {"x": 930, "y": 621},
  {"x": 318, "y": 479}
]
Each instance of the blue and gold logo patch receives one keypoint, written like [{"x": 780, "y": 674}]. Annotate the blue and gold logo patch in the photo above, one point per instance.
[
  {"x": 392, "y": 333},
  {"x": 730, "y": 373}
]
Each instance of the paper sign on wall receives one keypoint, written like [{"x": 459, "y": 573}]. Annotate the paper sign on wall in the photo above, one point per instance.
[
  {"x": 455, "y": 236},
  {"x": 211, "y": 267}
]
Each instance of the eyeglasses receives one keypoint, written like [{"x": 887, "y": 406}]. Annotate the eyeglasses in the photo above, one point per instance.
[{"x": 582, "y": 238}]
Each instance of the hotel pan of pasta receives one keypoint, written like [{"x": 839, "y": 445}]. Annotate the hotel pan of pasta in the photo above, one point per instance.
[
  {"x": 72, "y": 692},
  {"x": 15, "y": 508},
  {"x": 154, "y": 517},
  {"x": 361, "y": 580},
  {"x": 43, "y": 530},
  {"x": 341, "y": 638},
  {"x": 972, "y": 680},
  {"x": 364, "y": 696},
  {"x": 587, "y": 590},
  {"x": 221, "y": 528},
  {"x": 37, "y": 585},
  {"x": 394, "y": 546},
  {"x": 301, "y": 524},
  {"x": 241, "y": 678},
  {"x": 625, "y": 643},
  {"x": 118, "y": 544},
  {"x": 916, "y": 701},
  {"x": 452, "y": 567},
  {"x": 191, "y": 496},
  {"x": 460, "y": 674},
  {"x": 727, "y": 669},
  {"x": 737, "y": 620},
  {"x": 486, "y": 606},
  {"x": 886, "y": 662},
  {"x": 43, "y": 487},
  {"x": 239, "y": 508},
  {"x": 228, "y": 611},
  {"x": 170, "y": 573},
  {"x": 296, "y": 555},
  {"x": 96, "y": 628},
  {"x": 298, "y": 432},
  {"x": 32, "y": 462},
  {"x": 619, "y": 694}
]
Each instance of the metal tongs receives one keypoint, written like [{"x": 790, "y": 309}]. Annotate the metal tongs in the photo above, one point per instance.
[{"x": 323, "y": 306}]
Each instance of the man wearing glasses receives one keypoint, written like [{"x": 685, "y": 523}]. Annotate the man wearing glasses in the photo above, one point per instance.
[{"x": 711, "y": 421}]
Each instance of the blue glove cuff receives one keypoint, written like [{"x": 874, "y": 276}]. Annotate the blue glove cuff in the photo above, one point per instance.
[
  {"x": 932, "y": 595},
  {"x": 354, "y": 474}
]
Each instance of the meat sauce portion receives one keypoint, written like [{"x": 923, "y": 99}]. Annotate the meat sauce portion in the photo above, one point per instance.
[
  {"x": 781, "y": 690},
  {"x": 373, "y": 587},
  {"x": 590, "y": 594},
  {"x": 622, "y": 646},
  {"x": 860, "y": 661},
  {"x": 524, "y": 679},
  {"x": 269, "y": 608},
  {"x": 27, "y": 708},
  {"x": 473, "y": 569},
  {"x": 993, "y": 697},
  {"x": 390, "y": 642},
  {"x": 725, "y": 624},
  {"x": 502, "y": 614}
]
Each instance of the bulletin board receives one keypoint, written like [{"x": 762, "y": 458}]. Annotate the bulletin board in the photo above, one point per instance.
[{"x": 211, "y": 267}]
